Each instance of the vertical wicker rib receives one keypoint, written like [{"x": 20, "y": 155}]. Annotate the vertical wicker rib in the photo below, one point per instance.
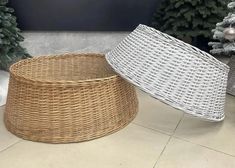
[
  {"x": 67, "y": 98},
  {"x": 172, "y": 71}
]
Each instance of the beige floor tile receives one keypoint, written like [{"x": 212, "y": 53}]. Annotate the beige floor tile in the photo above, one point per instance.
[
  {"x": 6, "y": 138},
  {"x": 132, "y": 147},
  {"x": 181, "y": 154},
  {"x": 219, "y": 136},
  {"x": 156, "y": 115}
]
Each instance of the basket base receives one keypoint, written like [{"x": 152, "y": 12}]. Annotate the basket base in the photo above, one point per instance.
[{"x": 68, "y": 139}]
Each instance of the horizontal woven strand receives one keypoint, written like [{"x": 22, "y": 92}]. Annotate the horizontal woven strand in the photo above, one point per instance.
[{"x": 207, "y": 57}]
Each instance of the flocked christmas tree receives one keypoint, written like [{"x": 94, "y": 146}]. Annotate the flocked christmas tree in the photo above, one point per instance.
[
  {"x": 10, "y": 49},
  {"x": 189, "y": 19},
  {"x": 224, "y": 33}
]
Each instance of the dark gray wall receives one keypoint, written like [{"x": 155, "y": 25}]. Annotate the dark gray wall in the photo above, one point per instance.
[{"x": 88, "y": 15}]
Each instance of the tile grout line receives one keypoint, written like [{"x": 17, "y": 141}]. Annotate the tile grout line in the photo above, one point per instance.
[
  {"x": 10, "y": 146},
  {"x": 171, "y": 136},
  {"x": 209, "y": 148},
  {"x": 185, "y": 140},
  {"x": 178, "y": 124},
  {"x": 155, "y": 130},
  {"x": 154, "y": 166}
]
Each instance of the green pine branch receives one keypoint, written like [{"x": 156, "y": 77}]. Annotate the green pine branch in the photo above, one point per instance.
[
  {"x": 10, "y": 38},
  {"x": 189, "y": 18}
]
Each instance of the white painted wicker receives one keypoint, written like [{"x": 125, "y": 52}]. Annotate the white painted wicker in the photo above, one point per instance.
[
  {"x": 231, "y": 76},
  {"x": 172, "y": 71}
]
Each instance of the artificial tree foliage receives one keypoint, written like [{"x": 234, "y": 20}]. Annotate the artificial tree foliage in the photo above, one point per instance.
[
  {"x": 10, "y": 38},
  {"x": 224, "y": 34},
  {"x": 189, "y": 18}
]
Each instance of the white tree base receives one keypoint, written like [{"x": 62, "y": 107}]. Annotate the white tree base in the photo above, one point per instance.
[{"x": 4, "y": 80}]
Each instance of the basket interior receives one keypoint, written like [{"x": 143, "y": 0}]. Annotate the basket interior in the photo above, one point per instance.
[{"x": 64, "y": 68}]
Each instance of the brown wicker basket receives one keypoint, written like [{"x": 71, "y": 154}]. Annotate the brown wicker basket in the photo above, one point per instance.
[{"x": 67, "y": 98}]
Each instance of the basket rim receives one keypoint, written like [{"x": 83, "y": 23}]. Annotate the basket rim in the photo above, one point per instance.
[
  {"x": 24, "y": 79},
  {"x": 169, "y": 39}
]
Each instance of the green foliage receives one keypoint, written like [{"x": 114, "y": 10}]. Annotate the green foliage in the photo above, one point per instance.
[
  {"x": 189, "y": 18},
  {"x": 10, "y": 49}
]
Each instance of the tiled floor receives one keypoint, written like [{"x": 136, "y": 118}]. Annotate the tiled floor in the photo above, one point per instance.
[{"x": 160, "y": 137}]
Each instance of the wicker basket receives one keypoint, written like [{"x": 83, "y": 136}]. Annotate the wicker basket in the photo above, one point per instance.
[
  {"x": 67, "y": 98},
  {"x": 172, "y": 71}
]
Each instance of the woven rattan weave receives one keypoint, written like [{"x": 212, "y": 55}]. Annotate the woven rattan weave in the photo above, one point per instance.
[
  {"x": 67, "y": 98},
  {"x": 172, "y": 71}
]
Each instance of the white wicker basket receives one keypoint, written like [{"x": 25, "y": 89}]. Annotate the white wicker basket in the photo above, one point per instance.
[{"x": 172, "y": 71}]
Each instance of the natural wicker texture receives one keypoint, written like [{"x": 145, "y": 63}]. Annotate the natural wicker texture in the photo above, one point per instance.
[
  {"x": 67, "y": 98},
  {"x": 172, "y": 71},
  {"x": 231, "y": 77}
]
